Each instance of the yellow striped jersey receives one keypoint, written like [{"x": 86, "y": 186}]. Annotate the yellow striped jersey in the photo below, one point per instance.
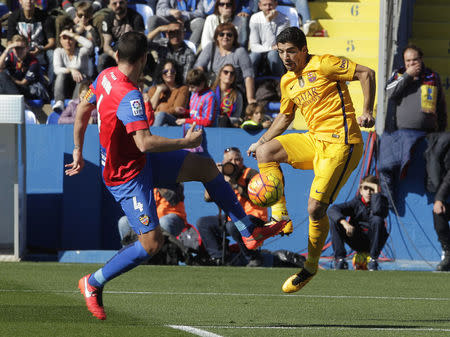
[{"x": 321, "y": 94}]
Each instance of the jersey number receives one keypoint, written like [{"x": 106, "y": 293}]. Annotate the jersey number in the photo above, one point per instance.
[{"x": 137, "y": 205}]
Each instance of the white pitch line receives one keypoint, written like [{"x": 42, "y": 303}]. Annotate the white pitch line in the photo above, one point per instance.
[
  {"x": 359, "y": 328},
  {"x": 194, "y": 331},
  {"x": 442, "y": 299}
]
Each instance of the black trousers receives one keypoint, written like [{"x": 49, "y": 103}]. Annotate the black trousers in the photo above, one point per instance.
[
  {"x": 368, "y": 237},
  {"x": 442, "y": 228}
]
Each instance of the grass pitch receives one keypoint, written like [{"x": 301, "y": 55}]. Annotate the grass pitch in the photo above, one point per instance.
[{"x": 42, "y": 299}]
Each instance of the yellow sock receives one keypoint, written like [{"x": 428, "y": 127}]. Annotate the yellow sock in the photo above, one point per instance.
[
  {"x": 279, "y": 209},
  {"x": 318, "y": 232}
]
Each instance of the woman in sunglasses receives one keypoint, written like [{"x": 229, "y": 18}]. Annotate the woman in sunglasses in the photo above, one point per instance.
[
  {"x": 225, "y": 50},
  {"x": 72, "y": 65},
  {"x": 228, "y": 96},
  {"x": 225, "y": 11},
  {"x": 168, "y": 97}
]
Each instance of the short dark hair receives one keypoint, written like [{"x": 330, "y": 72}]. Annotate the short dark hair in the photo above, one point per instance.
[
  {"x": 131, "y": 47},
  {"x": 196, "y": 77},
  {"x": 413, "y": 47},
  {"x": 292, "y": 35},
  {"x": 370, "y": 179},
  {"x": 216, "y": 7}
]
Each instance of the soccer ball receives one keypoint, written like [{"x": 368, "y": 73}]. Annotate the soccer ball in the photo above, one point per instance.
[
  {"x": 360, "y": 260},
  {"x": 265, "y": 190}
]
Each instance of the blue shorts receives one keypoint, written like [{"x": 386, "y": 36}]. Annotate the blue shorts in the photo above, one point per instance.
[{"x": 136, "y": 196}]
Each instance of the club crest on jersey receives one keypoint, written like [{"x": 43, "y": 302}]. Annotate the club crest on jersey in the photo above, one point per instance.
[
  {"x": 311, "y": 77},
  {"x": 144, "y": 220},
  {"x": 136, "y": 107}
]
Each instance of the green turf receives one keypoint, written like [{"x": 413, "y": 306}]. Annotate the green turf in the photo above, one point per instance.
[{"x": 41, "y": 299}]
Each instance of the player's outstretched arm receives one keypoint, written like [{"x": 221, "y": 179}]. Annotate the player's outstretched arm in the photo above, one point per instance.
[
  {"x": 366, "y": 77},
  {"x": 81, "y": 121},
  {"x": 147, "y": 142},
  {"x": 279, "y": 125}
]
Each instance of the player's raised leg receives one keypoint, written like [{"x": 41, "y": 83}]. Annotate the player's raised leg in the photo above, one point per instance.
[
  {"x": 269, "y": 155},
  {"x": 198, "y": 168}
]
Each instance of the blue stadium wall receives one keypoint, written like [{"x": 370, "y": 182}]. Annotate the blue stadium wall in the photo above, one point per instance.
[{"x": 77, "y": 213}]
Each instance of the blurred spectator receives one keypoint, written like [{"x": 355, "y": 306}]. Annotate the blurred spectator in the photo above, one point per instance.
[
  {"x": 203, "y": 107},
  {"x": 228, "y": 97},
  {"x": 308, "y": 26},
  {"x": 255, "y": 118},
  {"x": 71, "y": 7},
  {"x": 365, "y": 231},
  {"x": 69, "y": 113},
  {"x": 72, "y": 66},
  {"x": 225, "y": 11},
  {"x": 225, "y": 50},
  {"x": 20, "y": 71},
  {"x": 171, "y": 213},
  {"x": 417, "y": 104},
  {"x": 83, "y": 23},
  {"x": 120, "y": 21},
  {"x": 172, "y": 46},
  {"x": 39, "y": 29},
  {"x": 169, "y": 98},
  {"x": 211, "y": 227},
  {"x": 264, "y": 28},
  {"x": 190, "y": 12},
  {"x": 437, "y": 157}
]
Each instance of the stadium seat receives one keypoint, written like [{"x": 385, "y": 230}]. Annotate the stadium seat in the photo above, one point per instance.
[
  {"x": 34, "y": 103},
  {"x": 53, "y": 118},
  {"x": 146, "y": 12},
  {"x": 291, "y": 13},
  {"x": 191, "y": 45},
  {"x": 30, "y": 117}
]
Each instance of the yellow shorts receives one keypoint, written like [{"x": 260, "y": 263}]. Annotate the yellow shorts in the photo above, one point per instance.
[{"x": 332, "y": 163}]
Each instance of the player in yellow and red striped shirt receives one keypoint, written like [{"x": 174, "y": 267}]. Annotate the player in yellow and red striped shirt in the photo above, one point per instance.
[{"x": 315, "y": 86}]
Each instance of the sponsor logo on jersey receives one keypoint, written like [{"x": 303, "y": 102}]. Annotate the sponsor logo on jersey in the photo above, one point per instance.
[
  {"x": 136, "y": 107},
  {"x": 312, "y": 77},
  {"x": 144, "y": 220}
]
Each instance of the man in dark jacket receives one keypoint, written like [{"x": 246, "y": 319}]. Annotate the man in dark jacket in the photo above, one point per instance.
[
  {"x": 437, "y": 156},
  {"x": 365, "y": 230}
]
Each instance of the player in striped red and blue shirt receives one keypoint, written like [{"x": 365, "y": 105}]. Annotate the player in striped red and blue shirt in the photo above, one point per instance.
[{"x": 134, "y": 161}]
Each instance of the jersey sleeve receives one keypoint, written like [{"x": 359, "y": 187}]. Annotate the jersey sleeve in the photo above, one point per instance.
[
  {"x": 90, "y": 94},
  {"x": 336, "y": 68},
  {"x": 286, "y": 104},
  {"x": 131, "y": 112}
]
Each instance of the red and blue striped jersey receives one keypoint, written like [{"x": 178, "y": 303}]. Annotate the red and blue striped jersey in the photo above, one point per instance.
[
  {"x": 203, "y": 108},
  {"x": 121, "y": 111}
]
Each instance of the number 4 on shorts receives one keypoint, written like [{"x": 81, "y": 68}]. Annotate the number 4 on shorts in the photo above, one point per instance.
[{"x": 137, "y": 205}]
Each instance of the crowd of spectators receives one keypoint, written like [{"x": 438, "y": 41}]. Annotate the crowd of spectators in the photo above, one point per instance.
[{"x": 50, "y": 52}]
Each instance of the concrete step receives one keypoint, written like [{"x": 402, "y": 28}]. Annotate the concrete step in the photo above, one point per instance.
[
  {"x": 342, "y": 46},
  {"x": 440, "y": 48},
  {"x": 350, "y": 29},
  {"x": 344, "y": 10},
  {"x": 432, "y": 2},
  {"x": 434, "y": 13},
  {"x": 430, "y": 30}
]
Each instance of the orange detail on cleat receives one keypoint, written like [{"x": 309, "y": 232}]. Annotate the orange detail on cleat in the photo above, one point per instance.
[
  {"x": 93, "y": 297},
  {"x": 260, "y": 234}
]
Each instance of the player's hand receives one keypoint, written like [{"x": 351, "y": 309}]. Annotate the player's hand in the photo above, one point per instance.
[
  {"x": 438, "y": 207},
  {"x": 193, "y": 137},
  {"x": 76, "y": 165},
  {"x": 366, "y": 120},
  {"x": 252, "y": 150}
]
